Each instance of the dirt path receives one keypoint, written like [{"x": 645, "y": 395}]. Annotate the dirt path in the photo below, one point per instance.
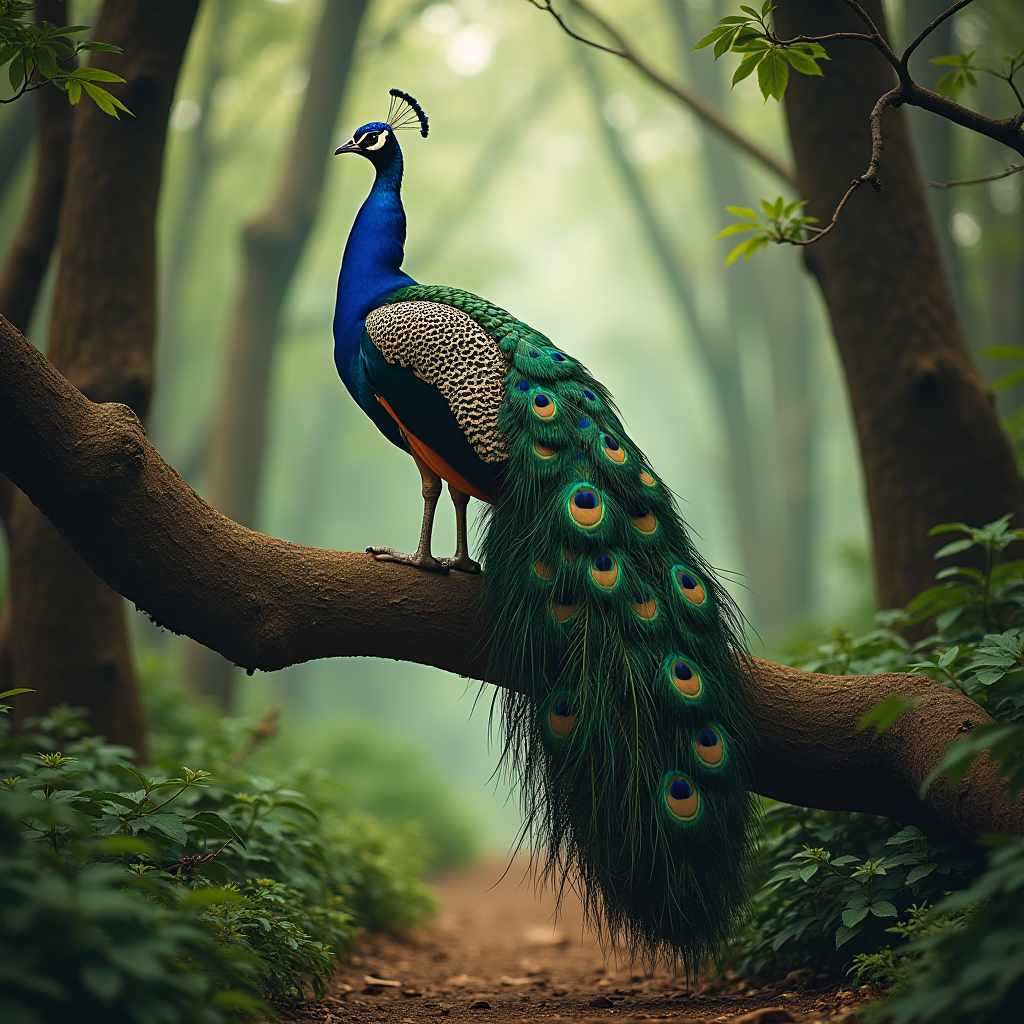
[{"x": 495, "y": 953}]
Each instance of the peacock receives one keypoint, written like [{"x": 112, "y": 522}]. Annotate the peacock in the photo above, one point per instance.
[{"x": 623, "y": 706}]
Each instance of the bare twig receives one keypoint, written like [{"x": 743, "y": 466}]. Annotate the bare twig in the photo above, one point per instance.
[
  {"x": 931, "y": 27},
  {"x": 700, "y": 106},
  {"x": 192, "y": 862},
  {"x": 951, "y": 182}
]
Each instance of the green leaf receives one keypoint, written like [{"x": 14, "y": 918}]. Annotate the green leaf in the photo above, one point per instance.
[
  {"x": 171, "y": 825},
  {"x": 747, "y": 65},
  {"x": 747, "y": 249},
  {"x": 715, "y": 33},
  {"x": 144, "y": 781},
  {"x": 884, "y": 714},
  {"x": 15, "y": 692},
  {"x": 743, "y": 211},
  {"x": 921, "y": 871},
  {"x": 773, "y": 75},
  {"x": 853, "y": 917},
  {"x": 88, "y": 74},
  {"x": 117, "y": 845},
  {"x": 954, "y": 60},
  {"x": 735, "y": 229},
  {"x": 882, "y": 908},
  {"x": 214, "y": 821},
  {"x": 949, "y": 657},
  {"x": 1010, "y": 380},
  {"x": 954, "y": 548},
  {"x": 801, "y": 62}
]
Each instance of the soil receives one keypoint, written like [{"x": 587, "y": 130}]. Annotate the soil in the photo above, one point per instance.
[{"x": 496, "y": 952}]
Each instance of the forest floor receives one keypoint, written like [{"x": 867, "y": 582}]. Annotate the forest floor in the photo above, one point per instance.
[{"x": 496, "y": 953}]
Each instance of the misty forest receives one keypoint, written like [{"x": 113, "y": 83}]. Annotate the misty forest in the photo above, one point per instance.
[{"x": 511, "y": 510}]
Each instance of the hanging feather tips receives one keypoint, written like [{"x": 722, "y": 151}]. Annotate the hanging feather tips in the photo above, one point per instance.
[{"x": 405, "y": 113}]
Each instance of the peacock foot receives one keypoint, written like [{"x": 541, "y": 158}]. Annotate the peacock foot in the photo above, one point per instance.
[
  {"x": 418, "y": 559},
  {"x": 463, "y": 563}
]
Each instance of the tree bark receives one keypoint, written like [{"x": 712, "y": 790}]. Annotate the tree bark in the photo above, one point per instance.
[
  {"x": 67, "y": 633},
  {"x": 273, "y": 243},
  {"x": 931, "y": 443},
  {"x": 266, "y": 604}
]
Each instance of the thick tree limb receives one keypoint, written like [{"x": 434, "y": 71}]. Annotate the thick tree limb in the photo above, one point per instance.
[{"x": 267, "y": 604}]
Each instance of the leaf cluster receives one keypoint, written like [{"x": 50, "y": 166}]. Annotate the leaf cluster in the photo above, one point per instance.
[
  {"x": 778, "y": 222},
  {"x": 834, "y": 883},
  {"x": 762, "y": 51},
  {"x": 966, "y": 69},
  {"x": 34, "y": 55}
]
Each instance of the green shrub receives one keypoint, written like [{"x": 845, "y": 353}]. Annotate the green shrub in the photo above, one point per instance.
[
  {"x": 226, "y": 888},
  {"x": 853, "y": 891}
]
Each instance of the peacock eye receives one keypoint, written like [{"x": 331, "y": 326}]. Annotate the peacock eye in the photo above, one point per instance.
[{"x": 681, "y": 797}]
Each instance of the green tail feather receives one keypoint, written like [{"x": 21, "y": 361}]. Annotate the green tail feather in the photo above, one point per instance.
[{"x": 625, "y": 718}]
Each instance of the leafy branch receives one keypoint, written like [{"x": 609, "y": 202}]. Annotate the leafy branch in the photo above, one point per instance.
[
  {"x": 752, "y": 36},
  {"x": 35, "y": 55}
]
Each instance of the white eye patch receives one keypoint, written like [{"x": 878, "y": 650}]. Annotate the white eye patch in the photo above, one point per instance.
[{"x": 380, "y": 142}]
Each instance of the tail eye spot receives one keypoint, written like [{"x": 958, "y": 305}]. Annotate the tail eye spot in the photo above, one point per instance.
[
  {"x": 589, "y": 395},
  {"x": 524, "y": 385},
  {"x": 544, "y": 406},
  {"x": 681, "y": 797},
  {"x": 685, "y": 677},
  {"x": 709, "y": 746},
  {"x": 690, "y": 586}
]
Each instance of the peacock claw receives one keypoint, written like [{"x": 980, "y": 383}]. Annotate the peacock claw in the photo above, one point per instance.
[
  {"x": 428, "y": 563},
  {"x": 463, "y": 563}
]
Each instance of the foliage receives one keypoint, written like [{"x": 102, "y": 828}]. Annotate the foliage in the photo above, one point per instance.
[
  {"x": 342, "y": 769},
  {"x": 835, "y": 881},
  {"x": 242, "y": 885},
  {"x": 749, "y": 34},
  {"x": 778, "y": 222},
  {"x": 33, "y": 55},
  {"x": 965, "y": 70},
  {"x": 968, "y": 965},
  {"x": 837, "y": 884},
  {"x": 752, "y": 36}
]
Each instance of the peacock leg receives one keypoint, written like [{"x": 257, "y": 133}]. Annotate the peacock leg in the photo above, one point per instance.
[
  {"x": 461, "y": 559},
  {"x": 421, "y": 558}
]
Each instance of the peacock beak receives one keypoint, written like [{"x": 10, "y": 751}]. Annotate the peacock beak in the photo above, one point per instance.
[{"x": 349, "y": 147}]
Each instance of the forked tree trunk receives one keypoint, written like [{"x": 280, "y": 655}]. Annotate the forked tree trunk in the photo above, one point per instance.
[
  {"x": 273, "y": 243},
  {"x": 67, "y": 629},
  {"x": 932, "y": 447}
]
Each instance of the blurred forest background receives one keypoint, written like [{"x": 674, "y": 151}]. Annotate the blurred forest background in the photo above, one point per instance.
[{"x": 562, "y": 186}]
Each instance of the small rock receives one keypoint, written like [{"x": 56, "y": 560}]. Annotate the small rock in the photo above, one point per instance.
[
  {"x": 343, "y": 988},
  {"x": 382, "y": 982},
  {"x": 506, "y": 980},
  {"x": 765, "y": 1015},
  {"x": 603, "y": 983},
  {"x": 372, "y": 990},
  {"x": 411, "y": 993},
  {"x": 544, "y": 936},
  {"x": 479, "y": 1004},
  {"x": 559, "y": 992},
  {"x": 601, "y": 1003}
]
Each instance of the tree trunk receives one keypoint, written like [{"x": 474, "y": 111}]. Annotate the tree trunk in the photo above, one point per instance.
[
  {"x": 932, "y": 447},
  {"x": 266, "y": 604},
  {"x": 68, "y": 637},
  {"x": 31, "y": 248},
  {"x": 273, "y": 243}
]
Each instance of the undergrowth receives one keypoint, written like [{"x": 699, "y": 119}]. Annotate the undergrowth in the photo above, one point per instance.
[
  {"x": 854, "y": 893},
  {"x": 180, "y": 894}
]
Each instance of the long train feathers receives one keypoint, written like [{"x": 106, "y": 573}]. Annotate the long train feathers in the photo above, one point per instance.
[{"x": 624, "y": 707}]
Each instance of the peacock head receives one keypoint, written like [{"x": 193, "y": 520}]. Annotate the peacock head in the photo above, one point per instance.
[{"x": 376, "y": 140}]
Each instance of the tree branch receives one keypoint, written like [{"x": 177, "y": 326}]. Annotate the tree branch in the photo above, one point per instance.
[
  {"x": 700, "y": 106},
  {"x": 951, "y": 182},
  {"x": 930, "y": 28},
  {"x": 267, "y": 604}
]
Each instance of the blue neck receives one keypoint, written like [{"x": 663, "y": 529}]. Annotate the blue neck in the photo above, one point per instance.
[{"x": 372, "y": 266}]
